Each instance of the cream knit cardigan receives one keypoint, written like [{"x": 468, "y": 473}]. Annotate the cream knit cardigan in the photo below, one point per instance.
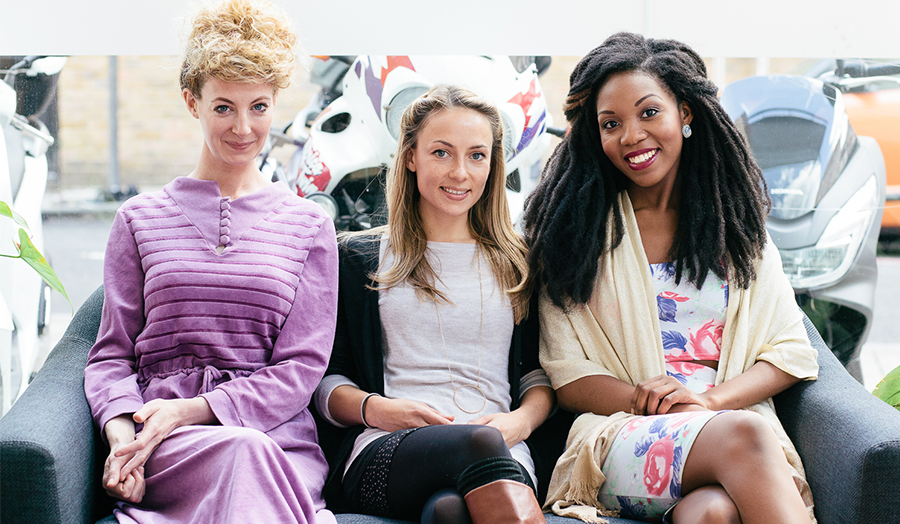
[{"x": 617, "y": 333}]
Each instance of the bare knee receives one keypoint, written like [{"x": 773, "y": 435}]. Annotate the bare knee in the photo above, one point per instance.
[
  {"x": 706, "y": 505},
  {"x": 746, "y": 436},
  {"x": 734, "y": 446},
  {"x": 719, "y": 510}
]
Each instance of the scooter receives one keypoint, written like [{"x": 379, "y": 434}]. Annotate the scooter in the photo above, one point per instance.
[
  {"x": 346, "y": 136},
  {"x": 24, "y": 296},
  {"x": 828, "y": 191},
  {"x": 872, "y": 97}
]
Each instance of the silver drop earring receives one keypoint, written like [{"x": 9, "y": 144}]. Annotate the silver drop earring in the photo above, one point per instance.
[{"x": 686, "y": 131}]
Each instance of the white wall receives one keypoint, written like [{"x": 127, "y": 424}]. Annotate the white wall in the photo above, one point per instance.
[{"x": 774, "y": 28}]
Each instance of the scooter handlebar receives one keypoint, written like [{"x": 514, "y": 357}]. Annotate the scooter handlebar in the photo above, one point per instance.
[
  {"x": 25, "y": 63},
  {"x": 861, "y": 69},
  {"x": 557, "y": 131},
  {"x": 25, "y": 127}
]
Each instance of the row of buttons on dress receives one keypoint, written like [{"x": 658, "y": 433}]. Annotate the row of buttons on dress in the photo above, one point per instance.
[{"x": 224, "y": 221}]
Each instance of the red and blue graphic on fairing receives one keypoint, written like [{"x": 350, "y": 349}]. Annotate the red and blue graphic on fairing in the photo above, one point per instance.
[
  {"x": 525, "y": 101},
  {"x": 375, "y": 85}
]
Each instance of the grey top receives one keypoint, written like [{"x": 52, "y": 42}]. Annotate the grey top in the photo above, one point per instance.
[{"x": 421, "y": 365}]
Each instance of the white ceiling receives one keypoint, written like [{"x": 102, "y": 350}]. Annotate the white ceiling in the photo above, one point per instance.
[{"x": 754, "y": 28}]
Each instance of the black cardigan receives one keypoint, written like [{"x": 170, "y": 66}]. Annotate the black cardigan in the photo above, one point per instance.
[{"x": 358, "y": 355}]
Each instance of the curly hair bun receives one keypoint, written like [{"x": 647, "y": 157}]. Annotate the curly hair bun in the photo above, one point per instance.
[{"x": 239, "y": 41}]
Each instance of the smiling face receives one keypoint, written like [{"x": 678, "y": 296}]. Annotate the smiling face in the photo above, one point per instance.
[
  {"x": 452, "y": 162},
  {"x": 235, "y": 120},
  {"x": 640, "y": 128}
]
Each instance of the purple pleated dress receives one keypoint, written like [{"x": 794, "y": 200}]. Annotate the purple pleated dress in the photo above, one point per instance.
[{"x": 249, "y": 328}]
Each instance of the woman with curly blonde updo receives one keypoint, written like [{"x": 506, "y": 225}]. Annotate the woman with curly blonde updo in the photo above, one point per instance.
[{"x": 220, "y": 307}]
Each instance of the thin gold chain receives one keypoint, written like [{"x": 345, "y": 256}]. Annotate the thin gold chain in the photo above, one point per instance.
[{"x": 477, "y": 386}]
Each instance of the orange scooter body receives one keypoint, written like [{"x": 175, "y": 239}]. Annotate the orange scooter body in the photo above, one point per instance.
[{"x": 877, "y": 114}]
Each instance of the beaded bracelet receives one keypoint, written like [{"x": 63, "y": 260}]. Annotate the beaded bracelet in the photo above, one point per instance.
[{"x": 362, "y": 408}]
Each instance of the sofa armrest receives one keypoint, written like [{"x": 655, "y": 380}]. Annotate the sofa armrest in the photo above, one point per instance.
[
  {"x": 49, "y": 469},
  {"x": 849, "y": 442}
]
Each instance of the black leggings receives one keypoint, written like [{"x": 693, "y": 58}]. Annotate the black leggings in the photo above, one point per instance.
[{"x": 407, "y": 471}]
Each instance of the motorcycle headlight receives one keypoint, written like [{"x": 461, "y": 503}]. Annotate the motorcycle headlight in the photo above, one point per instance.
[
  {"x": 398, "y": 105},
  {"x": 834, "y": 253},
  {"x": 326, "y": 202}
]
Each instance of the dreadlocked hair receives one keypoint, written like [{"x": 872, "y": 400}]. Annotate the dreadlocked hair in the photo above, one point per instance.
[{"x": 573, "y": 215}]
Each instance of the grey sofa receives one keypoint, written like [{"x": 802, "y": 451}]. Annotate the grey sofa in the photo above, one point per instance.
[{"x": 51, "y": 456}]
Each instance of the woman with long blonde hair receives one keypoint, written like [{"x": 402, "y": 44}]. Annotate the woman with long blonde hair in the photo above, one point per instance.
[{"x": 434, "y": 374}]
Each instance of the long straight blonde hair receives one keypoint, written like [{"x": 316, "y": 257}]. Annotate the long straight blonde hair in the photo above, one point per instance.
[{"x": 489, "y": 220}]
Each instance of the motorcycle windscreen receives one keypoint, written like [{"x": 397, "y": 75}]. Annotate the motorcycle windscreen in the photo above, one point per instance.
[
  {"x": 789, "y": 124},
  {"x": 787, "y": 150}
]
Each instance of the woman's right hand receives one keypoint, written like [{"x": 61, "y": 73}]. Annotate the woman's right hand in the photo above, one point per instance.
[
  {"x": 128, "y": 486},
  {"x": 160, "y": 417},
  {"x": 394, "y": 414},
  {"x": 658, "y": 395}
]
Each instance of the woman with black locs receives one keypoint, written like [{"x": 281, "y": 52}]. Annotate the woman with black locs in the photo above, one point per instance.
[
  {"x": 665, "y": 317},
  {"x": 435, "y": 364}
]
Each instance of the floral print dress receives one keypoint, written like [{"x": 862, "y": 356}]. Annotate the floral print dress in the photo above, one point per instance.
[{"x": 645, "y": 464}]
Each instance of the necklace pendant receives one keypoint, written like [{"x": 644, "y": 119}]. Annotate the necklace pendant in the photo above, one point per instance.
[{"x": 474, "y": 388}]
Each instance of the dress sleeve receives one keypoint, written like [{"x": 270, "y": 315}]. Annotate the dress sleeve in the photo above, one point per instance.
[
  {"x": 110, "y": 382},
  {"x": 279, "y": 391}
]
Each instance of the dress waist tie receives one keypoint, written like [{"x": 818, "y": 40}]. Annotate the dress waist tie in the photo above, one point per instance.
[{"x": 212, "y": 377}]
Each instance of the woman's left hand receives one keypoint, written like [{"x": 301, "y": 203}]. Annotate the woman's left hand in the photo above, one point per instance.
[
  {"x": 514, "y": 427},
  {"x": 160, "y": 418},
  {"x": 518, "y": 425},
  {"x": 658, "y": 395}
]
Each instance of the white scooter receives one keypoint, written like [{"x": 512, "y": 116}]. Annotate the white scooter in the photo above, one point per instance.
[
  {"x": 24, "y": 297},
  {"x": 347, "y": 135},
  {"x": 828, "y": 190}
]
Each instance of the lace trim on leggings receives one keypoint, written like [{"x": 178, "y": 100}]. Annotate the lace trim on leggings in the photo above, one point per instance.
[{"x": 373, "y": 484}]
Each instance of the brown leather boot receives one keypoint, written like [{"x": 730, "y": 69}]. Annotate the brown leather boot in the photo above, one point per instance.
[{"x": 504, "y": 502}]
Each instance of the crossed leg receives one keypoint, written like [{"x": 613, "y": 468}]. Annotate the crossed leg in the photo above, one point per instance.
[
  {"x": 738, "y": 458},
  {"x": 706, "y": 505}
]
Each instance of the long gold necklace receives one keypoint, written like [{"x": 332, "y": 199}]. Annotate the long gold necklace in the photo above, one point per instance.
[{"x": 477, "y": 386}]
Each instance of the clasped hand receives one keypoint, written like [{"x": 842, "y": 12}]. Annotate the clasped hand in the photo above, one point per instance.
[
  {"x": 395, "y": 414},
  {"x": 128, "y": 486},
  {"x": 665, "y": 394},
  {"x": 392, "y": 414},
  {"x": 123, "y": 472},
  {"x": 511, "y": 425}
]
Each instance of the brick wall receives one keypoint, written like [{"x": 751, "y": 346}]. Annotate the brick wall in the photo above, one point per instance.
[{"x": 158, "y": 138}]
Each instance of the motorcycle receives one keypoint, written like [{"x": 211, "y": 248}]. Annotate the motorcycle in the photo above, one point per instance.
[
  {"x": 828, "y": 191},
  {"x": 346, "y": 136},
  {"x": 24, "y": 296},
  {"x": 872, "y": 96}
]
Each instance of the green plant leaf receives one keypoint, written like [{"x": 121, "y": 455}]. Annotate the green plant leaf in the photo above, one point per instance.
[
  {"x": 35, "y": 259},
  {"x": 7, "y": 211},
  {"x": 888, "y": 389}
]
